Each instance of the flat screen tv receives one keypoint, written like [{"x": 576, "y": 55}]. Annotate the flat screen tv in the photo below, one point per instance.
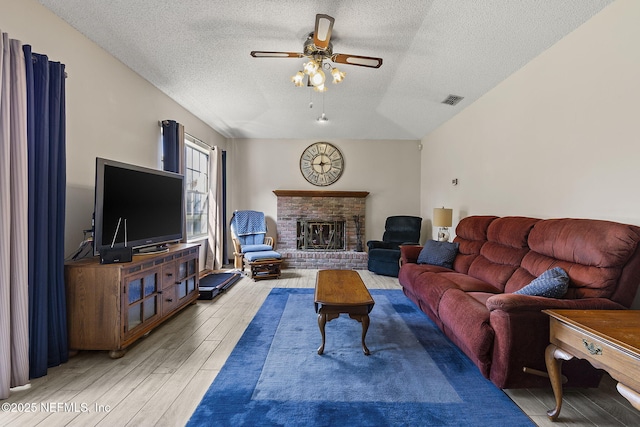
[{"x": 146, "y": 203}]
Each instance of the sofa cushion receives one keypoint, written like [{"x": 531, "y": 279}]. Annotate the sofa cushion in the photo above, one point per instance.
[
  {"x": 429, "y": 282},
  {"x": 429, "y": 288},
  {"x": 505, "y": 248},
  {"x": 409, "y": 273},
  {"x": 381, "y": 254},
  {"x": 592, "y": 252},
  {"x": 552, "y": 283},
  {"x": 474, "y": 227},
  {"x": 511, "y": 231},
  {"x": 582, "y": 241},
  {"x": 384, "y": 261},
  {"x": 438, "y": 253},
  {"x": 471, "y": 234},
  {"x": 255, "y": 256},
  {"x": 495, "y": 273},
  {"x": 466, "y": 323},
  {"x": 467, "y": 283},
  {"x": 255, "y": 248}
]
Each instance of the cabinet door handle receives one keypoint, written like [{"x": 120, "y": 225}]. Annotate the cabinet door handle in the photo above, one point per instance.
[
  {"x": 169, "y": 274},
  {"x": 169, "y": 299},
  {"x": 159, "y": 292}
]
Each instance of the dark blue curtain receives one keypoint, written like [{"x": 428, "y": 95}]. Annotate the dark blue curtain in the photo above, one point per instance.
[
  {"x": 47, "y": 193},
  {"x": 171, "y": 146},
  {"x": 224, "y": 207}
]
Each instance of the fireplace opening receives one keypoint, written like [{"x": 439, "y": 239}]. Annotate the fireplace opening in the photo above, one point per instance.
[{"x": 321, "y": 235}]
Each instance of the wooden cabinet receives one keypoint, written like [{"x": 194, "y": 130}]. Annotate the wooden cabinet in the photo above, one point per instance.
[{"x": 110, "y": 306}]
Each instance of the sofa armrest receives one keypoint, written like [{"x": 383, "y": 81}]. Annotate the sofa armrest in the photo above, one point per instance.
[
  {"x": 379, "y": 244},
  {"x": 409, "y": 253},
  {"x": 522, "y": 303},
  {"x": 522, "y": 335}
]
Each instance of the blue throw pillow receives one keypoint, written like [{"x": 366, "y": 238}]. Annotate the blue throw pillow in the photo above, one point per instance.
[
  {"x": 551, "y": 284},
  {"x": 438, "y": 253}
]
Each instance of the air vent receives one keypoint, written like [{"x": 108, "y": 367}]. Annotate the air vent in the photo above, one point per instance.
[{"x": 453, "y": 99}]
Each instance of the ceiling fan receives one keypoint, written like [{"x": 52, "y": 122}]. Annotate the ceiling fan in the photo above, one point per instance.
[{"x": 318, "y": 48}]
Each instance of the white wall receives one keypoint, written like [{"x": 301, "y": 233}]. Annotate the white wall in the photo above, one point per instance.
[
  {"x": 559, "y": 138},
  {"x": 112, "y": 112},
  {"x": 388, "y": 170}
]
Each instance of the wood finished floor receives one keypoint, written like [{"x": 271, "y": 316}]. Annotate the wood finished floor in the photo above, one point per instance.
[{"x": 161, "y": 379}]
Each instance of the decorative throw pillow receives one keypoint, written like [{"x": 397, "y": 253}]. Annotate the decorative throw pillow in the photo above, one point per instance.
[
  {"x": 438, "y": 253},
  {"x": 551, "y": 284}
]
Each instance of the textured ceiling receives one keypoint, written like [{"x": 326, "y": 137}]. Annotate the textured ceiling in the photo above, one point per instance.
[{"x": 197, "y": 52}]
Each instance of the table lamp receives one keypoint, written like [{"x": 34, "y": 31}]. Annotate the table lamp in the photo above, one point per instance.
[{"x": 442, "y": 217}]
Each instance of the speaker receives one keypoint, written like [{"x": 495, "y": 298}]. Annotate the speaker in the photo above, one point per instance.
[{"x": 114, "y": 255}]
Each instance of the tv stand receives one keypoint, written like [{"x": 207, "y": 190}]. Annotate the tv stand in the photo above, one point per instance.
[{"x": 110, "y": 306}]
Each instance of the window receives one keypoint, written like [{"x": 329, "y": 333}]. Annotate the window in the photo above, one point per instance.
[{"x": 197, "y": 188}]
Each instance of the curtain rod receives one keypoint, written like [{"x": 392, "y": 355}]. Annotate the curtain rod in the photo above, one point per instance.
[{"x": 201, "y": 143}]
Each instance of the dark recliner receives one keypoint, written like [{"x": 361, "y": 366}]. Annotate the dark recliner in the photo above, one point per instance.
[{"x": 384, "y": 255}]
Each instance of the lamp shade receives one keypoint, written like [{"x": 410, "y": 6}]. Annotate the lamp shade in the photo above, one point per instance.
[{"x": 442, "y": 217}]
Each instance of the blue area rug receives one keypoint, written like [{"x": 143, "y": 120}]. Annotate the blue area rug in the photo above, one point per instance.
[{"x": 414, "y": 376}]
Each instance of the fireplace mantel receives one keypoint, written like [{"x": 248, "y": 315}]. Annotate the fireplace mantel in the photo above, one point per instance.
[{"x": 320, "y": 193}]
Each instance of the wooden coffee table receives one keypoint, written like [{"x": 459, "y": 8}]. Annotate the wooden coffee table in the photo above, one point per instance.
[
  {"x": 342, "y": 291},
  {"x": 608, "y": 339}
]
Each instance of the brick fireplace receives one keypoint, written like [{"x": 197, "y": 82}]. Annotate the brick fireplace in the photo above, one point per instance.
[{"x": 326, "y": 207}]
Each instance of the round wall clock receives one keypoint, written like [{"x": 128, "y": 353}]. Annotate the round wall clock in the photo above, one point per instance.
[{"x": 321, "y": 164}]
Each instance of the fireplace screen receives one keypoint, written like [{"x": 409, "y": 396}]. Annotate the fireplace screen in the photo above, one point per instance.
[{"x": 319, "y": 235}]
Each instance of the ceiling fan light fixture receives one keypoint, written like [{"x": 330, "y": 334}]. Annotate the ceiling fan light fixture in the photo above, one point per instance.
[
  {"x": 311, "y": 67},
  {"x": 317, "y": 78},
  {"x": 338, "y": 76},
  {"x": 298, "y": 79},
  {"x": 320, "y": 88}
]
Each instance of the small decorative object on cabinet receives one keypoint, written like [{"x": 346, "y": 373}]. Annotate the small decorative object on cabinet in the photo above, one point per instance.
[{"x": 110, "y": 306}]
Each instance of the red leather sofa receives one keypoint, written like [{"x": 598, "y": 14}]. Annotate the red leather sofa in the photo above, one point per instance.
[{"x": 503, "y": 333}]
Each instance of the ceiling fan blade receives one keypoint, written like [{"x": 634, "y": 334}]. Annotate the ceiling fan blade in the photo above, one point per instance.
[
  {"x": 322, "y": 33},
  {"x": 266, "y": 54},
  {"x": 362, "y": 61}
]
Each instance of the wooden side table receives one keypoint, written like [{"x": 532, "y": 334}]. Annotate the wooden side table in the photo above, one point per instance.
[{"x": 608, "y": 339}]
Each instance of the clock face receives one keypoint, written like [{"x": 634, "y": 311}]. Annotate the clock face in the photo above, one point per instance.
[{"x": 321, "y": 164}]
